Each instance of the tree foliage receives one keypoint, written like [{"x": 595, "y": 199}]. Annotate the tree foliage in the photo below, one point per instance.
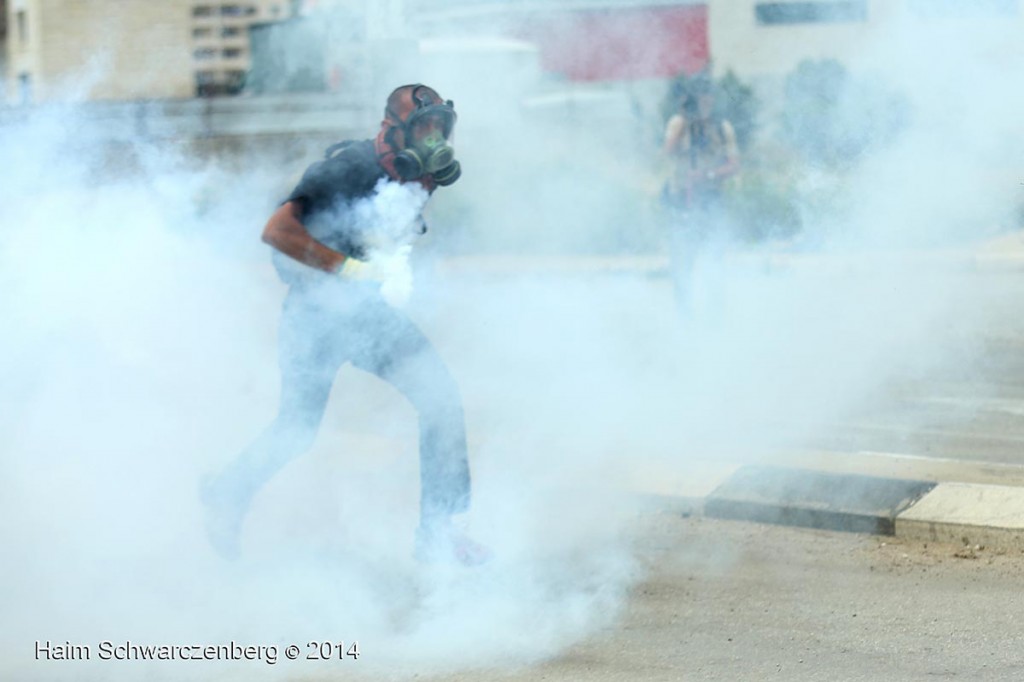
[{"x": 833, "y": 118}]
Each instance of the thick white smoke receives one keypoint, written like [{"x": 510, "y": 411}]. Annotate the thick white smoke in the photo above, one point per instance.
[
  {"x": 140, "y": 348},
  {"x": 139, "y": 341},
  {"x": 791, "y": 339}
]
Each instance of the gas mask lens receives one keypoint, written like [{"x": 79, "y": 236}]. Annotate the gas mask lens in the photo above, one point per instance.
[
  {"x": 435, "y": 152},
  {"x": 428, "y": 151}
]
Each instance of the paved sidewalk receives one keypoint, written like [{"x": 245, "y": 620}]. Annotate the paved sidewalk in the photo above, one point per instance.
[{"x": 888, "y": 494}]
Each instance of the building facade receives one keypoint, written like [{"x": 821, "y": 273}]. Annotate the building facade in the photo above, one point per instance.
[
  {"x": 220, "y": 47},
  {"x": 128, "y": 49},
  {"x": 585, "y": 41},
  {"x": 763, "y": 40},
  {"x": 166, "y": 49}
]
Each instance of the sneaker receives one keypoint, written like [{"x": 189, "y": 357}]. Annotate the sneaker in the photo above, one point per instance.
[
  {"x": 445, "y": 544},
  {"x": 223, "y": 516}
]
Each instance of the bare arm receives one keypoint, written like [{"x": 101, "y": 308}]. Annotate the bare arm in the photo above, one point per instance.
[
  {"x": 286, "y": 233},
  {"x": 732, "y": 154},
  {"x": 673, "y": 134}
]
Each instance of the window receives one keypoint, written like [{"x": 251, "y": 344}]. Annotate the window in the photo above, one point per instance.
[
  {"x": 964, "y": 8},
  {"x": 235, "y": 81},
  {"x": 230, "y": 31},
  {"x": 237, "y": 10},
  {"x": 202, "y": 33},
  {"x": 205, "y": 53},
  {"x": 22, "y": 21},
  {"x": 206, "y": 83},
  {"x": 772, "y": 13},
  {"x": 232, "y": 53},
  {"x": 202, "y": 11},
  {"x": 216, "y": 83}
]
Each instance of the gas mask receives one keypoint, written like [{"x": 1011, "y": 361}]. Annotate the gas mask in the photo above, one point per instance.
[
  {"x": 432, "y": 156},
  {"x": 426, "y": 130}
]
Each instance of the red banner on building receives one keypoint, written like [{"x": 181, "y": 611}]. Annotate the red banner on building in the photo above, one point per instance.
[{"x": 621, "y": 43}]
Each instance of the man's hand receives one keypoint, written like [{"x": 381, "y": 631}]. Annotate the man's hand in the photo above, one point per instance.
[
  {"x": 360, "y": 270},
  {"x": 391, "y": 270}
]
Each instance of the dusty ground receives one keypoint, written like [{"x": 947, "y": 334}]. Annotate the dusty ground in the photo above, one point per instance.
[{"x": 735, "y": 601}]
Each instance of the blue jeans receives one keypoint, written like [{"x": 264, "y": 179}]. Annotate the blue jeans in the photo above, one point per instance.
[
  {"x": 325, "y": 325},
  {"x": 697, "y": 228}
]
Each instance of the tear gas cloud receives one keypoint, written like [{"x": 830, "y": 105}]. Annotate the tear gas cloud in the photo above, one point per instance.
[
  {"x": 136, "y": 331},
  {"x": 140, "y": 347},
  {"x": 782, "y": 352}
]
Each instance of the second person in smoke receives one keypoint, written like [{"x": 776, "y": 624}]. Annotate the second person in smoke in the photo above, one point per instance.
[
  {"x": 703, "y": 155},
  {"x": 341, "y": 242}
]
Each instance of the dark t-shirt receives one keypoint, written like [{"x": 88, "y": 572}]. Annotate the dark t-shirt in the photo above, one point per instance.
[{"x": 326, "y": 192}]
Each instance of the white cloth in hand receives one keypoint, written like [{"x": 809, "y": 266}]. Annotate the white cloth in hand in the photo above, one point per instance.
[
  {"x": 396, "y": 280},
  {"x": 390, "y": 269}
]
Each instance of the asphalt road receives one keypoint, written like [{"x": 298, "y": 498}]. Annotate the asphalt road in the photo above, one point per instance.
[
  {"x": 734, "y": 601},
  {"x": 916, "y": 357},
  {"x": 572, "y": 382},
  {"x": 589, "y": 372},
  {"x": 968, "y": 408}
]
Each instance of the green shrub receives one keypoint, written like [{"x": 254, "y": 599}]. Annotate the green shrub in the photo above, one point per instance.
[
  {"x": 832, "y": 118},
  {"x": 763, "y": 201}
]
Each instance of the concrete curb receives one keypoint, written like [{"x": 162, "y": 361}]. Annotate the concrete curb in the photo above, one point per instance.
[
  {"x": 913, "y": 509},
  {"x": 815, "y": 499},
  {"x": 970, "y": 513}
]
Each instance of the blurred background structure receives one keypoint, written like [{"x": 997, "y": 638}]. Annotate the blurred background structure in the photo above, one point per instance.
[
  {"x": 188, "y": 48},
  {"x": 808, "y": 84}
]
